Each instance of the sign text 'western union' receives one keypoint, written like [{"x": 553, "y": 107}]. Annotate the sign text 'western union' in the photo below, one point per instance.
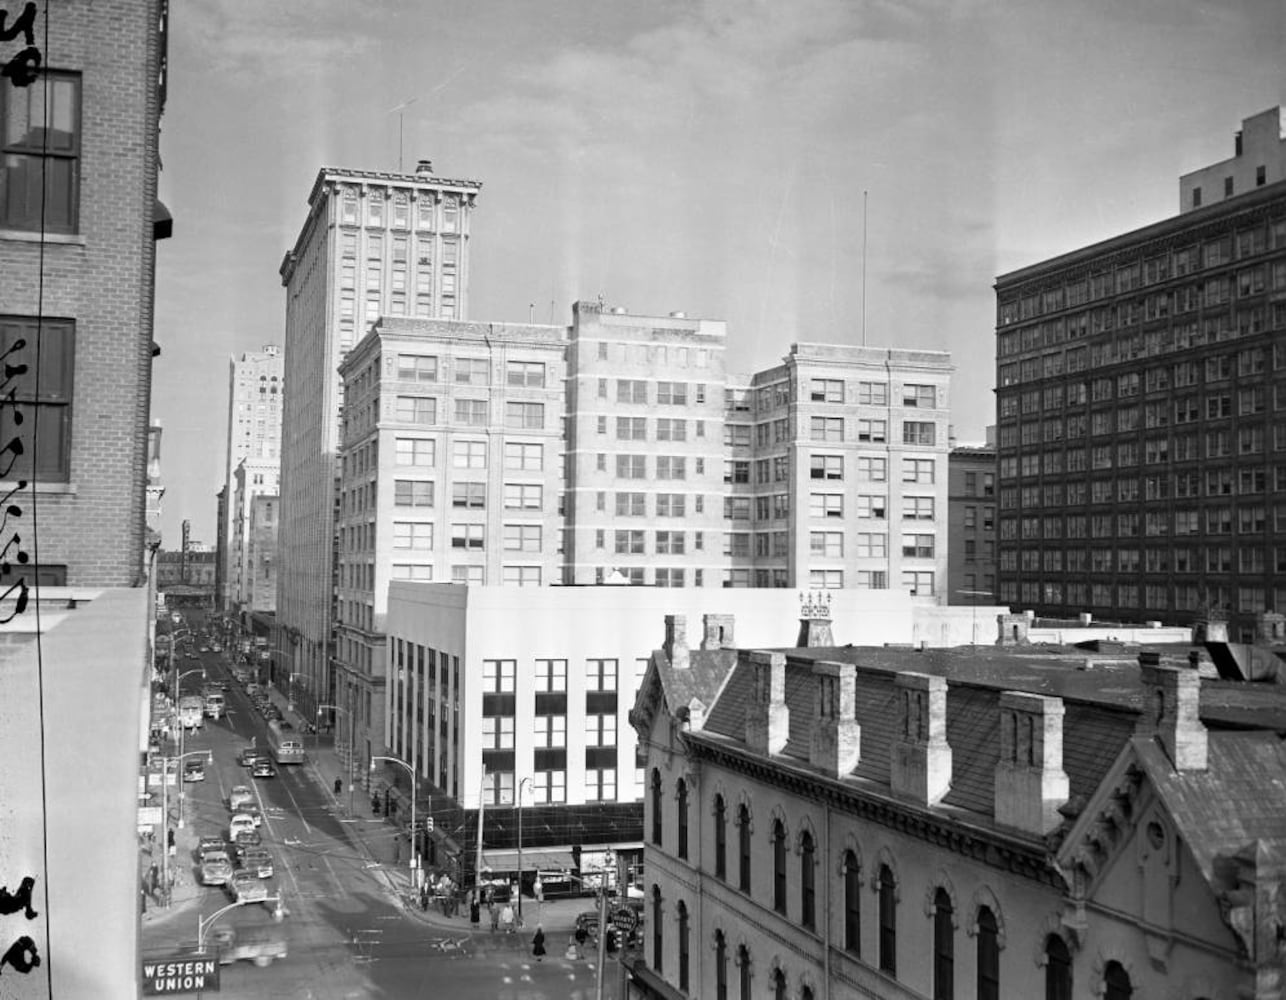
[{"x": 185, "y": 974}]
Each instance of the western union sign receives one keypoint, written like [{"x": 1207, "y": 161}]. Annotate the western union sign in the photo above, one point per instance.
[{"x": 185, "y": 974}]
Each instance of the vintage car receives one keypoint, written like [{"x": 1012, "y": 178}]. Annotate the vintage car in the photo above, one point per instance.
[
  {"x": 216, "y": 868},
  {"x": 240, "y": 794}
]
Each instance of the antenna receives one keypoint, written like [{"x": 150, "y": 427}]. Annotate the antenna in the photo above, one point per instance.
[
  {"x": 401, "y": 112},
  {"x": 863, "y": 268}
]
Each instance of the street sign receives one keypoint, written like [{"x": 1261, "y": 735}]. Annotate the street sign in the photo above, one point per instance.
[
  {"x": 180, "y": 974},
  {"x": 624, "y": 919}
]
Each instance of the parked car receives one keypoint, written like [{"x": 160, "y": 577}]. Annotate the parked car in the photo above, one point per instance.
[
  {"x": 258, "y": 860},
  {"x": 216, "y": 868},
  {"x": 239, "y": 823},
  {"x": 250, "y": 809},
  {"x": 246, "y": 839},
  {"x": 194, "y": 770},
  {"x": 210, "y": 844},
  {"x": 240, "y": 794},
  {"x": 263, "y": 769},
  {"x": 246, "y": 886},
  {"x": 249, "y": 755}
]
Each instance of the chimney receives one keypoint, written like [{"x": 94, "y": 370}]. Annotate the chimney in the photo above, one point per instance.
[
  {"x": 920, "y": 762},
  {"x": 1171, "y": 711},
  {"x": 1012, "y": 630},
  {"x": 767, "y": 717},
  {"x": 424, "y": 166},
  {"x": 814, "y": 620},
  {"x": 1030, "y": 783},
  {"x": 718, "y": 632},
  {"x": 836, "y": 744},
  {"x": 676, "y": 641}
]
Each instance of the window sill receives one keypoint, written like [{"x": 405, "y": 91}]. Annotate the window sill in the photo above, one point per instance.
[
  {"x": 10, "y": 488},
  {"x": 23, "y": 236}
]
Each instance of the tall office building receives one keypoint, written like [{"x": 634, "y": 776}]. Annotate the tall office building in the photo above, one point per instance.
[
  {"x": 971, "y": 528},
  {"x": 256, "y": 388},
  {"x": 81, "y": 98},
  {"x": 256, "y": 482},
  {"x": 1141, "y": 387},
  {"x": 374, "y": 244}
]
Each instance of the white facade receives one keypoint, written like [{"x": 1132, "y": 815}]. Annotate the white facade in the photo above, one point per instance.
[
  {"x": 254, "y": 480},
  {"x": 446, "y": 645},
  {"x": 1259, "y": 159}
]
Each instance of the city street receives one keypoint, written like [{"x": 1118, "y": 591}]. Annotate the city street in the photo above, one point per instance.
[{"x": 348, "y": 932}]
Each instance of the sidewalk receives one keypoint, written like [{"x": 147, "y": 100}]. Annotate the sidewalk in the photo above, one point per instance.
[{"x": 382, "y": 843}]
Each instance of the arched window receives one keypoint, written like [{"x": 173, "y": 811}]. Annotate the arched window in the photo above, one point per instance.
[
  {"x": 743, "y": 972},
  {"x": 943, "y": 947},
  {"x": 988, "y": 956},
  {"x": 805, "y": 993},
  {"x": 1116, "y": 982},
  {"x": 852, "y": 901},
  {"x": 683, "y": 946},
  {"x": 888, "y": 922},
  {"x": 743, "y": 847},
  {"x": 720, "y": 838},
  {"x": 778, "y": 984},
  {"x": 720, "y": 966},
  {"x": 656, "y": 807},
  {"x": 778, "y": 866},
  {"x": 657, "y": 939},
  {"x": 1058, "y": 969},
  {"x": 807, "y": 890},
  {"x": 682, "y": 811}
]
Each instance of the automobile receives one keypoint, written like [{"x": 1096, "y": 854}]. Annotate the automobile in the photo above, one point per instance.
[
  {"x": 258, "y": 860},
  {"x": 240, "y": 822},
  {"x": 203, "y": 649},
  {"x": 263, "y": 769},
  {"x": 250, "y": 756},
  {"x": 210, "y": 844},
  {"x": 246, "y": 839},
  {"x": 194, "y": 770},
  {"x": 240, "y": 794},
  {"x": 250, "y": 809},
  {"x": 271, "y": 712},
  {"x": 215, "y": 648},
  {"x": 246, "y": 886},
  {"x": 260, "y": 950},
  {"x": 216, "y": 868}
]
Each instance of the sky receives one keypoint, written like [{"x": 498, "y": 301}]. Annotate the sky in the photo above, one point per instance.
[{"x": 835, "y": 171}]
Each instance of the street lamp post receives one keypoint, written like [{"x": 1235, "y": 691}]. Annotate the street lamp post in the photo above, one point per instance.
[
  {"x": 203, "y": 924},
  {"x": 524, "y": 781},
  {"x": 352, "y": 751},
  {"x": 182, "y": 734},
  {"x": 411, "y": 771},
  {"x": 608, "y": 862}
]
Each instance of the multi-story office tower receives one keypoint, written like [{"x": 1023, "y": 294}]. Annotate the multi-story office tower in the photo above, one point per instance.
[
  {"x": 374, "y": 244},
  {"x": 451, "y": 469},
  {"x": 248, "y": 592},
  {"x": 644, "y": 422},
  {"x": 256, "y": 388},
  {"x": 971, "y": 527},
  {"x": 1141, "y": 384}
]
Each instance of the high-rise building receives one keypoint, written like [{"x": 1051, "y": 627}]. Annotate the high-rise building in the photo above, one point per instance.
[
  {"x": 1141, "y": 383},
  {"x": 971, "y": 528},
  {"x": 81, "y": 98},
  {"x": 256, "y": 389},
  {"x": 374, "y": 244},
  {"x": 252, "y": 568}
]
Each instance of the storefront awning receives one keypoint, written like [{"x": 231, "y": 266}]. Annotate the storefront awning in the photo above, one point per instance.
[{"x": 535, "y": 859}]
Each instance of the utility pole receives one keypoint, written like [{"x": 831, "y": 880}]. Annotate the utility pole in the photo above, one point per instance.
[{"x": 477, "y": 862}]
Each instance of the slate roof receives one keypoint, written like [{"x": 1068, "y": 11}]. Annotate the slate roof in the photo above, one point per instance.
[
  {"x": 1238, "y": 799},
  {"x": 1101, "y": 702},
  {"x": 701, "y": 679}
]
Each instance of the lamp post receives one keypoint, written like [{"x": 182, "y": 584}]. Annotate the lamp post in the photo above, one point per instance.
[
  {"x": 352, "y": 751},
  {"x": 203, "y": 924},
  {"x": 524, "y": 781},
  {"x": 174, "y": 642},
  {"x": 182, "y": 734},
  {"x": 609, "y": 862},
  {"x": 411, "y": 771}
]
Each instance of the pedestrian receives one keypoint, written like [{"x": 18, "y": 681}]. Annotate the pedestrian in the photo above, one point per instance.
[
  {"x": 154, "y": 875},
  {"x": 424, "y": 895},
  {"x": 339, "y": 785},
  {"x": 142, "y": 898},
  {"x": 538, "y": 890},
  {"x": 572, "y": 953},
  {"x": 507, "y": 918},
  {"x": 173, "y": 844},
  {"x": 538, "y": 944},
  {"x": 494, "y": 912},
  {"x": 581, "y": 936}
]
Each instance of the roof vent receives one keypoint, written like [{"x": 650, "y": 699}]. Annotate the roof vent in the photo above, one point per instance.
[{"x": 424, "y": 166}]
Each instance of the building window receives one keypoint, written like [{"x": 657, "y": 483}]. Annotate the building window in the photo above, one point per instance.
[
  {"x": 720, "y": 966},
  {"x": 522, "y": 537},
  {"x": 600, "y": 784},
  {"x": 471, "y": 412},
  {"x": 550, "y": 732},
  {"x": 743, "y": 847},
  {"x": 524, "y": 457},
  {"x": 470, "y": 496},
  {"x": 600, "y": 730},
  {"x": 412, "y": 493},
  {"x": 852, "y": 904},
  {"x": 417, "y": 368},
  {"x": 683, "y": 945},
  {"x": 1058, "y": 969},
  {"x": 525, "y": 416},
  {"x": 415, "y": 452},
  {"x": 918, "y": 432},
  {"x": 681, "y": 808},
  {"x": 551, "y": 676},
  {"x": 656, "y": 807},
  {"x": 778, "y": 984},
  {"x": 720, "y": 838},
  {"x": 943, "y": 947},
  {"x": 469, "y": 455},
  {"x": 743, "y": 972},
  {"x": 410, "y": 535},
  {"x": 40, "y": 183},
  {"x": 888, "y": 907},
  {"x": 421, "y": 410},
  {"x": 658, "y": 941},
  {"x": 526, "y": 373},
  {"x": 1116, "y": 982},
  {"x": 523, "y": 496},
  {"x": 921, "y": 396},
  {"x": 467, "y": 536},
  {"x": 778, "y": 866},
  {"x": 38, "y": 414},
  {"x": 807, "y": 886},
  {"x": 988, "y": 955},
  {"x": 828, "y": 467}
]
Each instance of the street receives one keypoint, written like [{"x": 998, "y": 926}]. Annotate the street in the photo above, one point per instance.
[{"x": 347, "y": 933}]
